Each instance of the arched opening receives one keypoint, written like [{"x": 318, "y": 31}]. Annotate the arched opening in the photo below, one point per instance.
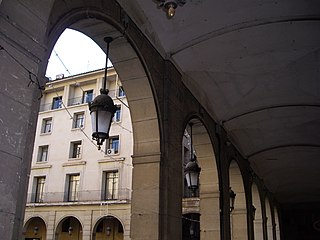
[
  {"x": 203, "y": 200},
  {"x": 69, "y": 228},
  {"x": 108, "y": 228},
  {"x": 71, "y": 172},
  {"x": 135, "y": 81},
  {"x": 257, "y": 218},
  {"x": 96, "y": 24},
  {"x": 238, "y": 215},
  {"x": 35, "y": 229}
]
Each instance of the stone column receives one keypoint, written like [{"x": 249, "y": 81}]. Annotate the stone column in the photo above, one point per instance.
[
  {"x": 238, "y": 224},
  {"x": 210, "y": 218},
  {"x": 258, "y": 228},
  {"x": 20, "y": 54},
  {"x": 87, "y": 225},
  {"x": 18, "y": 118},
  {"x": 145, "y": 197},
  {"x": 51, "y": 225}
]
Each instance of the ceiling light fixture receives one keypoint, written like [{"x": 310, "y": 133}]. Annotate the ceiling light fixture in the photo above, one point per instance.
[{"x": 169, "y": 6}]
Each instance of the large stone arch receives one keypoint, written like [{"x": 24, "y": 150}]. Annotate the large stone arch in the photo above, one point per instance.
[
  {"x": 69, "y": 226},
  {"x": 108, "y": 225},
  {"x": 35, "y": 227},
  {"x": 209, "y": 194},
  {"x": 130, "y": 67},
  {"x": 34, "y": 54}
]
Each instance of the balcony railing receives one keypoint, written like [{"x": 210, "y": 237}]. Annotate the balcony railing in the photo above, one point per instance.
[
  {"x": 80, "y": 196},
  {"x": 72, "y": 102},
  {"x": 49, "y": 106},
  {"x": 79, "y": 100}
]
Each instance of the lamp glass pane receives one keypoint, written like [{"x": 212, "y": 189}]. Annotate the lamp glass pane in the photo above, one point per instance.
[
  {"x": 194, "y": 179},
  {"x": 188, "y": 178},
  {"x": 104, "y": 120}
]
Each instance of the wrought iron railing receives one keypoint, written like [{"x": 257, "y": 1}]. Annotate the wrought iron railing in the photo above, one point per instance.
[
  {"x": 80, "y": 196},
  {"x": 80, "y": 100},
  {"x": 49, "y": 106},
  {"x": 72, "y": 102}
]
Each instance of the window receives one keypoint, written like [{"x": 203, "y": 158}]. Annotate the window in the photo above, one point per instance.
[
  {"x": 87, "y": 96},
  {"x": 113, "y": 145},
  {"x": 43, "y": 153},
  {"x": 117, "y": 115},
  {"x": 121, "y": 92},
  {"x": 75, "y": 149},
  {"x": 78, "y": 120},
  {"x": 73, "y": 187},
  {"x": 56, "y": 102},
  {"x": 39, "y": 189},
  {"x": 46, "y": 125},
  {"x": 111, "y": 185}
]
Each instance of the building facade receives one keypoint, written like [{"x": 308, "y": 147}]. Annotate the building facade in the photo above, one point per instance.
[{"x": 76, "y": 191}]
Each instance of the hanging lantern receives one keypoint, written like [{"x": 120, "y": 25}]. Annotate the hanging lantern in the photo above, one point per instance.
[
  {"x": 192, "y": 173},
  {"x": 102, "y": 109},
  {"x": 192, "y": 169}
]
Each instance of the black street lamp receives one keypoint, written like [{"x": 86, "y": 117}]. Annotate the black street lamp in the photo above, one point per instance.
[
  {"x": 232, "y": 196},
  {"x": 192, "y": 169},
  {"x": 102, "y": 109}
]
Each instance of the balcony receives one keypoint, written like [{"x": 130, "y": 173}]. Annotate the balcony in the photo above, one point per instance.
[
  {"x": 81, "y": 197},
  {"x": 49, "y": 106},
  {"x": 80, "y": 100}
]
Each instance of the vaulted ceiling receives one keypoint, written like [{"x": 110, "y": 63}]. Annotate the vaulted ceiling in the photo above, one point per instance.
[{"x": 255, "y": 67}]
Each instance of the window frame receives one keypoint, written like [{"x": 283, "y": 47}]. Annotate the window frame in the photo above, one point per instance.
[
  {"x": 73, "y": 187},
  {"x": 73, "y": 152},
  {"x": 118, "y": 112},
  {"x": 75, "y": 120},
  {"x": 56, "y": 103},
  {"x": 120, "y": 92},
  {"x": 111, "y": 193},
  {"x": 44, "y": 125},
  {"x": 87, "y": 96},
  {"x": 110, "y": 142},
  {"x": 41, "y": 153},
  {"x": 39, "y": 189}
]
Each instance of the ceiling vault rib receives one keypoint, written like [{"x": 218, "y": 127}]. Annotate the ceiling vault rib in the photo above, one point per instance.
[
  {"x": 242, "y": 25},
  {"x": 267, "y": 108},
  {"x": 282, "y": 146}
]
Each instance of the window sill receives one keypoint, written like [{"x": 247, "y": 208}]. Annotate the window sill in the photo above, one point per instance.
[
  {"x": 74, "y": 159},
  {"x": 41, "y": 166},
  {"x": 46, "y": 133},
  {"x": 75, "y": 163},
  {"x": 111, "y": 159},
  {"x": 77, "y": 129}
]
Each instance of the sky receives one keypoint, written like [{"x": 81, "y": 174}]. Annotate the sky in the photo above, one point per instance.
[{"x": 78, "y": 53}]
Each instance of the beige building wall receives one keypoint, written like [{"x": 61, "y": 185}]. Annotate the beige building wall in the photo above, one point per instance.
[{"x": 90, "y": 163}]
